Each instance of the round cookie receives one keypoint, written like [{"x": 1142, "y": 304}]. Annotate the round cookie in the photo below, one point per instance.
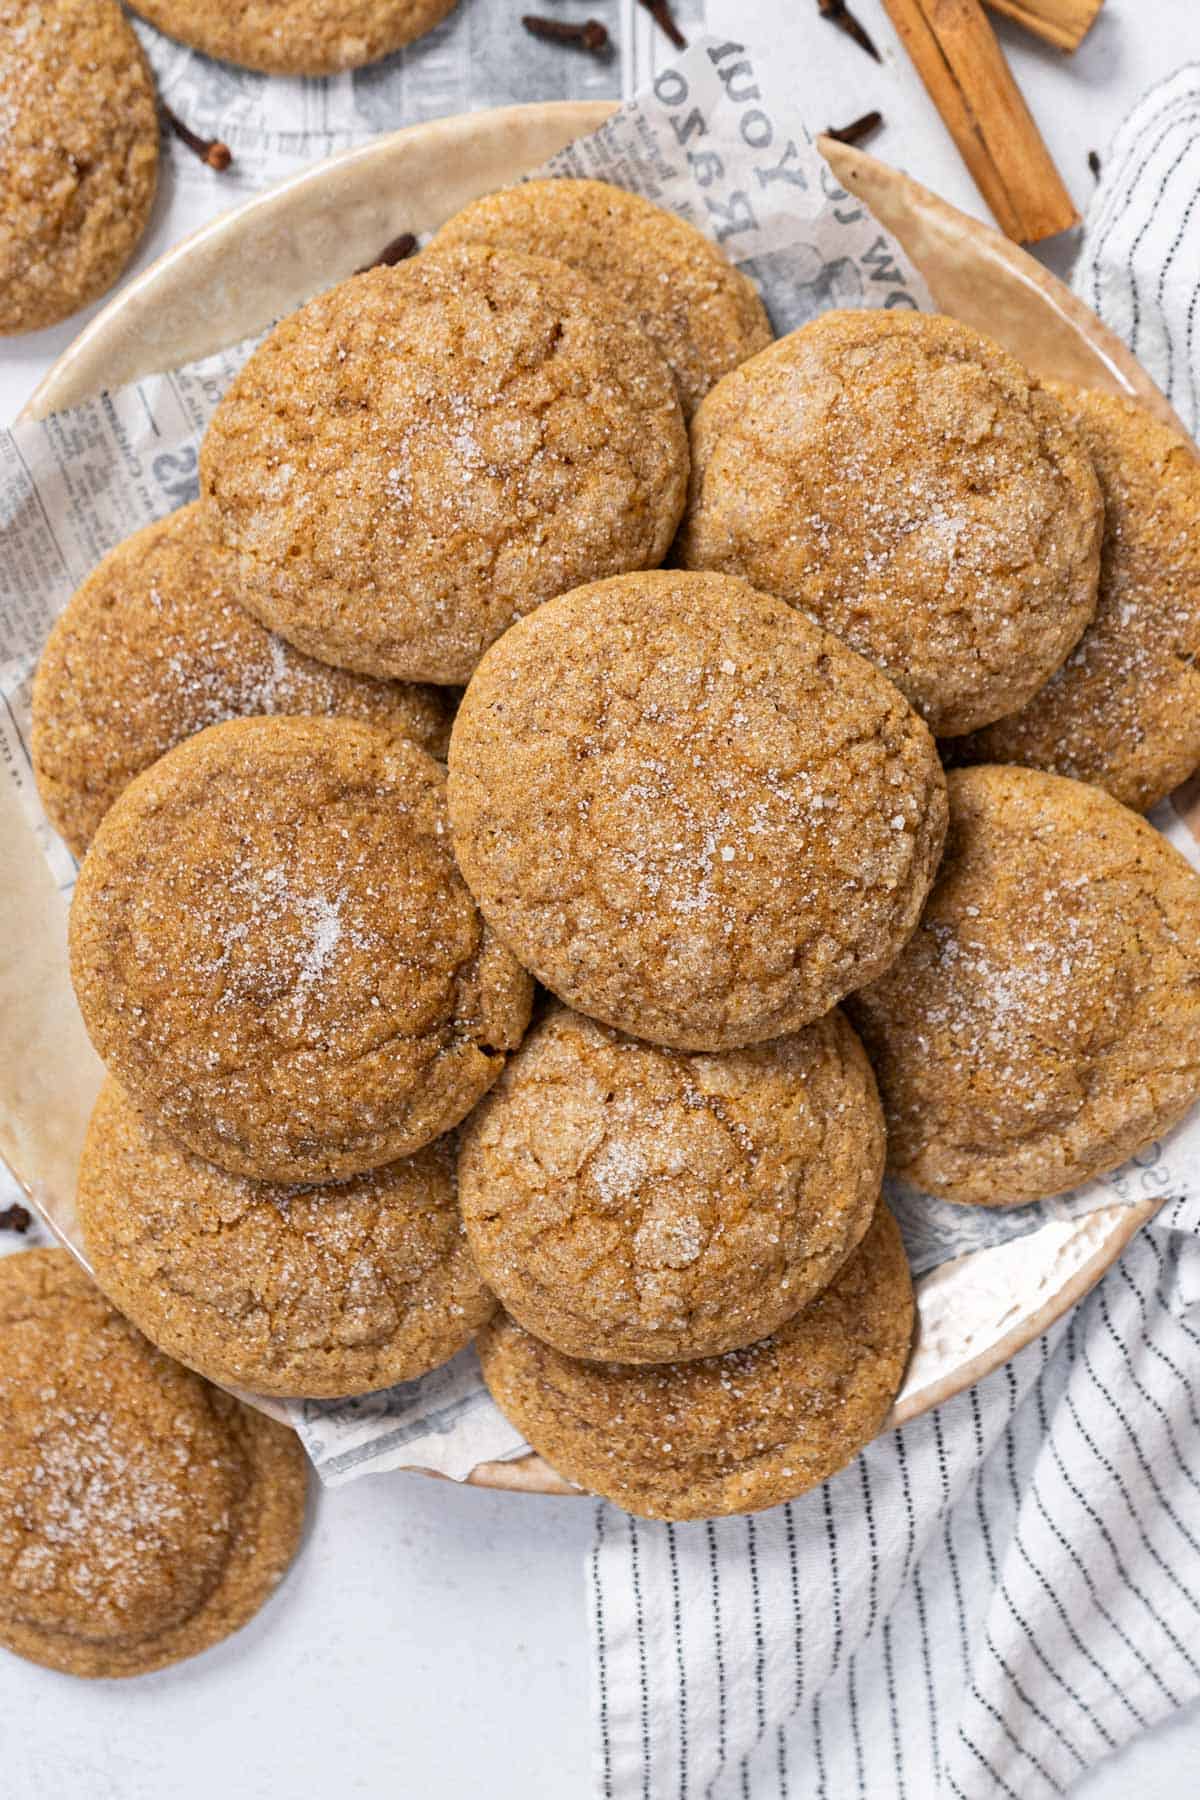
[
  {"x": 702, "y": 314},
  {"x": 154, "y": 647},
  {"x": 1124, "y": 709},
  {"x": 903, "y": 480},
  {"x": 692, "y": 814},
  {"x": 422, "y": 454},
  {"x": 1043, "y": 1022},
  {"x": 78, "y": 155},
  {"x": 144, "y": 1515},
  {"x": 295, "y": 37},
  {"x": 304, "y": 1291},
  {"x": 274, "y": 953},
  {"x": 725, "y": 1434},
  {"x": 632, "y": 1203}
]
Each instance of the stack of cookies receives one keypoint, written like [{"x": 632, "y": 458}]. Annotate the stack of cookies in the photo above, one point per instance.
[{"x": 723, "y": 607}]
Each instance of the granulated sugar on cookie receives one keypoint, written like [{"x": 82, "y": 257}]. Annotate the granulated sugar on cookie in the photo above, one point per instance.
[
  {"x": 154, "y": 647},
  {"x": 1124, "y": 709},
  {"x": 274, "y": 953},
  {"x": 1042, "y": 1024},
  {"x": 693, "y": 814},
  {"x": 626, "y": 1201},
  {"x": 906, "y": 483},
  {"x": 78, "y": 155}
]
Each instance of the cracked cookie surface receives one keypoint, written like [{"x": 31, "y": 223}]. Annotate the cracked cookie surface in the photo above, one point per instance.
[
  {"x": 78, "y": 155},
  {"x": 702, "y": 314},
  {"x": 723, "y": 1434},
  {"x": 153, "y": 647},
  {"x": 1043, "y": 1022},
  {"x": 1124, "y": 709},
  {"x": 633, "y": 1203},
  {"x": 902, "y": 480},
  {"x": 144, "y": 1515},
  {"x": 274, "y": 953},
  {"x": 311, "y": 1292},
  {"x": 424, "y": 453},
  {"x": 295, "y": 37},
  {"x": 693, "y": 814}
]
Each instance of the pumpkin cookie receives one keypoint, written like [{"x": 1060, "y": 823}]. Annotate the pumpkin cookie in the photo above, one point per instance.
[
  {"x": 689, "y": 811},
  {"x": 78, "y": 155},
  {"x": 1043, "y": 1022},
  {"x": 903, "y": 480},
  {"x": 144, "y": 1515},
  {"x": 1124, "y": 709},
  {"x": 274, "y": 953},
  {"x": 295, "y": 37},
  {"x": 629, "y": 1202},
  {"x": 425, "y": 452},
  {"x": 725, "y": 1434},
  {"x": 152, "y": 648},
  {"x": 306, "y": 1291},
  {"x": 702, "y": 314}
]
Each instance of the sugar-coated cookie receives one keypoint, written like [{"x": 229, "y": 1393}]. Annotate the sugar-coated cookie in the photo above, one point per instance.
[
  {"x": 274, "y": 953},
  {"x": 78, "y": 155},
  {"x": 1124, "y": 709},
  {"x": 426, "y": 452},
  {"x": 154, "y": 647},
  {"x": 725, "y": 1434},
  {"x": 634, "y": 1203},
  {"x": 1043, "y": 1022},
  {"x": 704, "y": 315},
  {"x": 295, "y": 37},
  {"x": 691, "y": 812},
  {"x": 144, "y": 1515},
  {"x": 904, "y": 481},
  {"x": 311, "y": 1292}
]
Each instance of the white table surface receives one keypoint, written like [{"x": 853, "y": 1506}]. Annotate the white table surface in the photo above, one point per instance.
[{"x": 430, "y": 1640}]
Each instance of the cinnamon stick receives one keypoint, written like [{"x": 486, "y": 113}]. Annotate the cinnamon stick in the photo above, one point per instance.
[
  {"x": 964, "y": 71},
  {"x": 1063, "y": 23}
]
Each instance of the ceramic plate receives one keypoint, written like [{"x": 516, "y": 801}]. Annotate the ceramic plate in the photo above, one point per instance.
[{"x": 245, "y": 269}]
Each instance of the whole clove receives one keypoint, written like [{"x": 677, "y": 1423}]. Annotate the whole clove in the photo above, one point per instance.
[
  {"x": 15, "y": 1218},
  {"x": 664, "y": 18},
  {"x": 212, "y": 151},
  {"x": 858, "y": 130},
  {"x": 397, "y": 250},
  {"x": 590, "y": 35},
  {"x": 839, "y": 14}
]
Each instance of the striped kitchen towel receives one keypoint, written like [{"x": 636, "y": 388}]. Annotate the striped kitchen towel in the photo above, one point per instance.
[
  {"x": 995, "y": 1597},
  {"x": 1139, "y": 266}
]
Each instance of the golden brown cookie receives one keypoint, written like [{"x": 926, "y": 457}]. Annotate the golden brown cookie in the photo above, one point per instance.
[
  {"x": 144, "y": 1515},
  {"x": 154, "y": 647},
  {"x": 902, "y": 480},
  {"x": 635, "y": 1203},
  {"x": 689, "y": 811},
  {"x": 295, "y": 37},
  {"x": 305, "y": 1291},
  {"x": 78, "y": 155},
  {"x": 1124, "y": 709},
  {"x": 425, "y": 452},
  {"x": 1043, "y": 1022},
  {"x": 702, "y": 314},
  {"x": 274, "y": 953},
  {"x": 725, "y": 1434}
]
